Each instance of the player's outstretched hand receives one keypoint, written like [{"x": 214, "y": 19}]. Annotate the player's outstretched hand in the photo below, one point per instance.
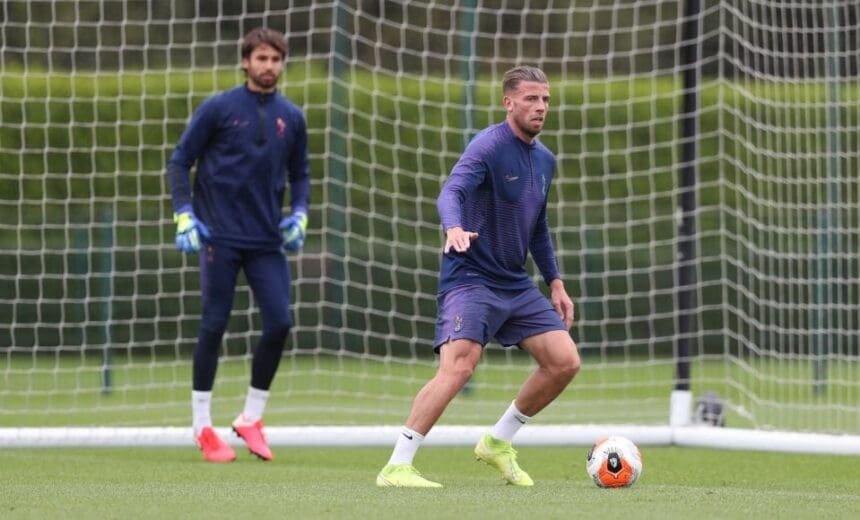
[
  {"x": 190, "y": 232},
  {"x": 293, "y": 230},
  {"x": 458, "y": 239}
]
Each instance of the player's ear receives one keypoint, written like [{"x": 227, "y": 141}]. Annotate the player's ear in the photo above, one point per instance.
[{"x": 508, "y": 103}]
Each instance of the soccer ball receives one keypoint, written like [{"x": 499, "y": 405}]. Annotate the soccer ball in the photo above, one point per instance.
[{"x": 614, "y": 462}]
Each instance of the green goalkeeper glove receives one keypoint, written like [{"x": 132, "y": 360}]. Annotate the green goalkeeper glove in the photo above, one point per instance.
[
  {"x": 190, "y": 232},
  {"x": 293, "y": 230}
]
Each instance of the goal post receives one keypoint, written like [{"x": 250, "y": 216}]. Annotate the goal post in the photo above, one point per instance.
[{"x": 100, "y": 312}]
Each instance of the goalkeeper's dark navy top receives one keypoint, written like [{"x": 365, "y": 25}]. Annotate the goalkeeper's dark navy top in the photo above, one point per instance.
[
  {"x": 247, "y": 145},
  {"x": 499, "y": 189}
]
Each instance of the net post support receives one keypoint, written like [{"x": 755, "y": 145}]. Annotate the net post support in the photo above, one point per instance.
[
  {"x": 687, "y": 197},
  {"x": 335, "y": 203},
  {"x": 467, "y": 22},
  {"x": 826, "y": 285},
  {"x": 106, "y": 294}
]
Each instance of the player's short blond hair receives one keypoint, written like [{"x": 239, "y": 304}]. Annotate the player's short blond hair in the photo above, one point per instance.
[{"x": 517, "y": 75}]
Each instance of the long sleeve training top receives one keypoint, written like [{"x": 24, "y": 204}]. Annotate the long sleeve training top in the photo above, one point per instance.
[
  {"x": 247, "y": 145},
  {"x": 499, "y": 189}
]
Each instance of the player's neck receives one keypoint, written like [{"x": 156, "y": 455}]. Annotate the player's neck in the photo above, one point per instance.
[
  {"x": 257, "y": 89},
  {"x": 519, "y": 132}
]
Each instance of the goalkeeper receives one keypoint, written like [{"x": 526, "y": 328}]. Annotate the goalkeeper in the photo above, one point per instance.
[
  {"x": 248, "y": 143},
  {"x": 493, "y": 212}
]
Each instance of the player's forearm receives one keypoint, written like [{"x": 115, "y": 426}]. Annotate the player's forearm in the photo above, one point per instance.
[
  {"x": 180, "y": 186},
  {"x": 299, "y": 172},
  {"x": 556, "y": 284},
  {"x": 300, "y": 195},
  {"x": 449, "y": 205},
  {"x": 465, "y": 178},
  {"x": 543, "y": 254},
  {"x": 549, "y": 270}
]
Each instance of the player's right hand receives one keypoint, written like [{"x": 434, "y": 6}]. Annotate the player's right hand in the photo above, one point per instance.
[
  {"x": 458, "y": 239},
  {"x": 190, "y": 232}
]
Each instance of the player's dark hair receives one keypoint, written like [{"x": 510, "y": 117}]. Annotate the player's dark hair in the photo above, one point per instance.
[
  {"x": 517, "y": 75},
  {"x": 264, "y": 36}
]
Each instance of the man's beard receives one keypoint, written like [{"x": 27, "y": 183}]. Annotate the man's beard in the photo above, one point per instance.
[
  {"x": 265, "y": 81},
  {"x": 530, "y": 130}
]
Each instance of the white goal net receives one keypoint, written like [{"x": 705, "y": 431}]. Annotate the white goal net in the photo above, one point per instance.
[{"x": 99, "y": 311}]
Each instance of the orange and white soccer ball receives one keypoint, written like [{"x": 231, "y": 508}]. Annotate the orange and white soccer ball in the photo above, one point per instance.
[{"x": 614, "y": 462}]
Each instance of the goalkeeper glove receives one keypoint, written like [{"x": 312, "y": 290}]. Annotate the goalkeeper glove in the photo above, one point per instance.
[
  {"x": 293, "y": 229},
  {"x": 189, "y": 231}
]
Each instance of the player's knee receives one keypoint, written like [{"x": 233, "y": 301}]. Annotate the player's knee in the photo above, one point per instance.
[
  {"x": 464, "y": 372},
  {"x": 459, "y": 372},
  {"x": 213, "y": 324},
  {"x": 209, "y": 338},
  {"x": 574, "y": 362},
  {"x": 278, "y": 328},
  {"x": 564, "y": 371},
  {"x": 573, "y": 367},
  {"x": 568, "y": 366}
]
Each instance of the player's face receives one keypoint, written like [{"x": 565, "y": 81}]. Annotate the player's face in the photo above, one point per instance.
[
  {"x": 527, "y": 107},
  {"x": 263, "y": 68}
]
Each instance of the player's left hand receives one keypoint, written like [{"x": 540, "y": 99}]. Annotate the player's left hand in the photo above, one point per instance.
[
  {"x": 293, "y": 230},
  {"x": 561, "y": 302}
]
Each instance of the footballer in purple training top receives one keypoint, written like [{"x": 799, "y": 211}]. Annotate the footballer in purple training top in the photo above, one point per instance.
[
  {"x": 498, "y": 189},
  {"x": 493, "y": 212}
]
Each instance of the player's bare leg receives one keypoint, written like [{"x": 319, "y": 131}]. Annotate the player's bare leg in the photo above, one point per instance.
[
  {"x": 457, "y": 362},
  {"x": 558, "y": 362}
]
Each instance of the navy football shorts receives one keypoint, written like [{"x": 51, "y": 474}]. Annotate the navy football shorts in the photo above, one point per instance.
[{"x": 479, "y": 313}]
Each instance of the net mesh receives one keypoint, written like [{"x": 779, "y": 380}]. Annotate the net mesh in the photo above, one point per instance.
[{"x": 100, "y": 312}]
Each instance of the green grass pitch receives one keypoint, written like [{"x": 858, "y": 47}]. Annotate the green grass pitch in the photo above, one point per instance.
[{"x": 339, "y": 483}]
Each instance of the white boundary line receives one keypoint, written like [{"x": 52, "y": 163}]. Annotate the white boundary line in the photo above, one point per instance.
[{"x": 534, "y": 435}]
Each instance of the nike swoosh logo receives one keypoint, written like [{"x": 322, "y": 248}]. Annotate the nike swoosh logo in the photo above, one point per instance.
[
  {"x": 520, "y": 420},
  {"x": 407, "y": 436}
]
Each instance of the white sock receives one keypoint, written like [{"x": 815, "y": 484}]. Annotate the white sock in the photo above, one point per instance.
[
  {"x": 201, "y": 405},
  {"x": 407, "y": 444},
  {"x": 255, "y": 404},
  {"x": 509, "y": 424}
]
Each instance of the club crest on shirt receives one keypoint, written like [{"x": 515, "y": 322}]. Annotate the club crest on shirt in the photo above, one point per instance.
[
  {"x": 458, "y": 323},
  {"x": 282, "y": 127}
]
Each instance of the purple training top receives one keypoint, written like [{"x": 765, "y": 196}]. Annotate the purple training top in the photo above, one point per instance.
[{"x": 499, "y": 189}]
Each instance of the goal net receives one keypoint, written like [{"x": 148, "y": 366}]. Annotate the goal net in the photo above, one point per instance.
[{"x": 100, "y": 311}]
